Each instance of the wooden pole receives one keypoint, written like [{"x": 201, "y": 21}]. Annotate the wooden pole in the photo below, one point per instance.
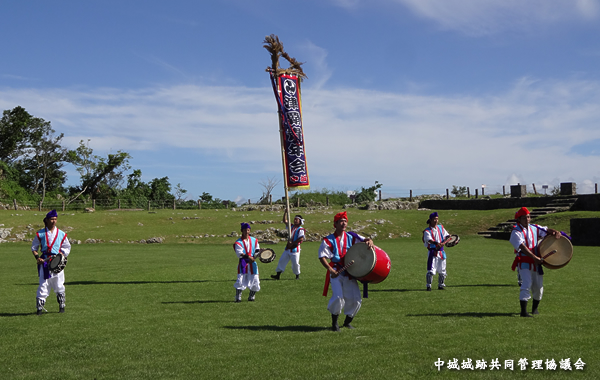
[
  {"x": 15, "y": 203},
  {"x": 410, "y": 196},
  {"x": 285, "y": 183},
  {"x": 503, "y": 190},
  {"x": 447, "y": 194},
  {"x": 64, "y": 205},
  {"x": 468, "y": 192},
  {"x": 534, "y": 190},
  {"x": 476, "y": 192}
]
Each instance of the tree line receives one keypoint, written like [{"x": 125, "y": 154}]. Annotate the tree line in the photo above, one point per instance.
[{"x": 33, "y": 159}]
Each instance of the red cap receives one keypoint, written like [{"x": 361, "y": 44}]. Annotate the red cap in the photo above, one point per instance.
[
  {"x": 340, "y": 215},
  {"x": 522, "y": 212}
]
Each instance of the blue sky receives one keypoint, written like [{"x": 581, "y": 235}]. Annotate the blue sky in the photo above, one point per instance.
[{"x": 415, "y": 94}]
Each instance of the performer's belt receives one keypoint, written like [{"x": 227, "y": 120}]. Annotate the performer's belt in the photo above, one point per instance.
[{"x": 523, "y": 260}]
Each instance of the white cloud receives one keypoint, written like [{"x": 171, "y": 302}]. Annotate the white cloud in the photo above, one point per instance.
[
  {"x": 476, "y": 17},
  {"x": 316, "y": 58},
  {"x": 354, "y": 137}
]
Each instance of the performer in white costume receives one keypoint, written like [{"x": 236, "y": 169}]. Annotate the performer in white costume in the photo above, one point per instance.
[
  {"x": 434, "y": 238},
  {"x": 51, "y": 242},
  {"x": 346, "y": 294},
  {"x": 525, "y": 238},
  {"x": 292, "y": 249},
  {"x": 246, "y": 248}
]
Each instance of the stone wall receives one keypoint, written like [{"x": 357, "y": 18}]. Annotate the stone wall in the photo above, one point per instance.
[
  {"x": 585, "y": 202},
  {"x": 584, "y": 231}
]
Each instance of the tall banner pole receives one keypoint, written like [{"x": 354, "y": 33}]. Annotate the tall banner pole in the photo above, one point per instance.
[
  {"x": 286, "y": 87},
  {"x": 285, "y": 186}
]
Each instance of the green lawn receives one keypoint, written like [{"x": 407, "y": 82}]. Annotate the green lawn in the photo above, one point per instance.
[{"x": 166, "y": 312}]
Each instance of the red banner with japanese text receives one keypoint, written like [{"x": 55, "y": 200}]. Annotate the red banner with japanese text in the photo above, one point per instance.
[{"x": 287, "y": 93}]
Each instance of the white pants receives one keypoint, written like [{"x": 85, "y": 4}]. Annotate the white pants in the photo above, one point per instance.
[
  {"x": 285, "y": 258},
  {"x": 250, "y": 281},
  {"x": 438, "y": 265},
  {"x": 56, "y": 282},
  {"x": 532, "y": 285},
  {"x": 346, "y": 295}
]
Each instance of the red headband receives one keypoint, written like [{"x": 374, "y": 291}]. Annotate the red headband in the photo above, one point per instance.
[
  {"x": 522, "y": 212},
  {"x": 341, "y": 215}
]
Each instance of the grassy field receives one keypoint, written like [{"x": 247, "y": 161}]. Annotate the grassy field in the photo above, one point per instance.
[{"x": 165, "y": 311}]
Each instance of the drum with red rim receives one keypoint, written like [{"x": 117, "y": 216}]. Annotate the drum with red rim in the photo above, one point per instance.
[{"x": 370, "y": 265}]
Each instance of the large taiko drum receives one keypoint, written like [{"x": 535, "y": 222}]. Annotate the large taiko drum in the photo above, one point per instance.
[
  {"x": 370, "y": 265},
  {"x": 556, "y": 252}
]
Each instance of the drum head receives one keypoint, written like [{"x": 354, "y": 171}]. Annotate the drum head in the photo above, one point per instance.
[
  {"x": 267, "y": 255},
  {"x": 454, "y": 240},
  {"x": 364, "y": 260},
  {"x": 558, "y": 251},
  {"x": 57, "y": 264}
]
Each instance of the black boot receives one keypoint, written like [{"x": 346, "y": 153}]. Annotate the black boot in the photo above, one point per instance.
[
  {"x": 251, "y": 296},
  {"x": 334, "y": 323},
  {"x": 297, "y": 277},
  {"x": 347, "y": 322},
  {"x": 524, "y": 312},
  {"x": 276, "y": 276},
  {"x": 534, "y": 309}
]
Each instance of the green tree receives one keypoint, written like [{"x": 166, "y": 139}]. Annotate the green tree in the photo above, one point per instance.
[
  {"x": 100, "y": 177},
  {"x": 179, "y": 193},
  {"x": 160, "y": 189},
  {"x": 459, "y": 191},
  {"x": 368, "y": 194},
  {"x": 41, "y": 167},
  {"x": 19, "y": 131}
]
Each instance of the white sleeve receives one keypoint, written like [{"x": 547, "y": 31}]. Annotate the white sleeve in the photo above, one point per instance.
[
  {"x": 324, "y": 251},
  {"x": 516, "y": 239},
  {"x": 35, "y": 244},
  {"x": 65, "y": 247},
  {"x": 239, "y": 250},
  {"x": 542, "y": 230},
  {"x": 427, "y": 237}
]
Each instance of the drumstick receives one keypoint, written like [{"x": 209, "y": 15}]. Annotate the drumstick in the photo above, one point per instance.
[
  {"x": 346, "y": 267},
  {"x": 550, "y": 254}
]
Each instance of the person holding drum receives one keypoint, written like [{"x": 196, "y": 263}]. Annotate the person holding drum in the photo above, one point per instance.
[
  {"x": 246, "y": 248},
  {"x": 346, "y": 294},
  {"x": 434, "y": 238},
  {"x": 292, "y": 249},
  {"x": 525, "y": 238},
  {"x": 52, "y": 242}
]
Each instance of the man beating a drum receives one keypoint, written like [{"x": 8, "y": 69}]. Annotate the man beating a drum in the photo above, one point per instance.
[
  {"x": 292, "y": 249},
  {"x": 434, "y": 238},
  {"x": 525, "y": 238},
  {"x": 346, "y": 294},
  {"x": 52, "y": 242},
  {"x": 246, "y": 248}
]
